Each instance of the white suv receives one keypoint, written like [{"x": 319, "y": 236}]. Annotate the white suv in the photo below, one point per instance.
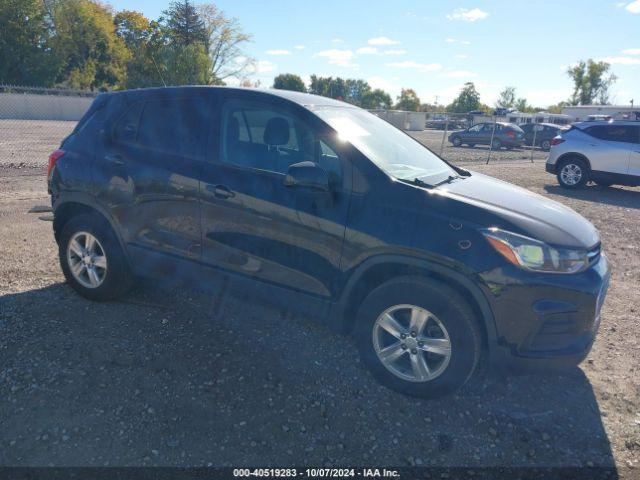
[{"x": 604, "y": 152}]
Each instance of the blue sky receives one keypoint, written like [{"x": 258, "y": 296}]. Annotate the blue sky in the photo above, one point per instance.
[{"x": 436, "y": 46}]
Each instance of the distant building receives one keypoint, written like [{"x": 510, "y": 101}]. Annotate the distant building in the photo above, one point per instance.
[
  {"x": 519, "y": 117},
  {"x": 581, "y": 113}
]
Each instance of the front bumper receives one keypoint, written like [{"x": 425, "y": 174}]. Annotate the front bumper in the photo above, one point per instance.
[{"x": 550, "y": 319}]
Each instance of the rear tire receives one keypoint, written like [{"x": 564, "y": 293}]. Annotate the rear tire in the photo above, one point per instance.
[
  {"x": 92, "y": 260},
  {"x": 573, "y": 173},
  {"x": 471, "y": 145},
  {"x": 546, "y": 145},
  {"x": 449, "y": 321}
]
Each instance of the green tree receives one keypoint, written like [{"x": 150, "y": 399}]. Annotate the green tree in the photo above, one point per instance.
[
  {"x": 376, "y": 99},
  {"x": 356, "y": 90},
  {"x": 185, "y": 64},
  {"x": 557, "y": 108},
  {"x": 289, "y": 81},
  {"x": 25, "y": 56},
  {"x": 467, "y": 100},
  {"x": 184, "y": 24},
  {"x": 328, "y": 87},
  {"x": 86, "y": 45},
  {"x": 591, "y": 82},
  {"x": 507, "y": 98},
  {"x": 408, "y": 100}
]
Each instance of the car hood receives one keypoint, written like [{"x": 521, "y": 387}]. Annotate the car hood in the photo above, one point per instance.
[{"x": 532, "y": 214}]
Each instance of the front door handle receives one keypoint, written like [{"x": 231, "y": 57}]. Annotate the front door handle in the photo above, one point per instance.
[{"x": 220, "y": 191}]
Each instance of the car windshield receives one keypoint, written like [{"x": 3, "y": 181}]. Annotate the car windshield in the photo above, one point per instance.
[{"x": 389, "y": 148}]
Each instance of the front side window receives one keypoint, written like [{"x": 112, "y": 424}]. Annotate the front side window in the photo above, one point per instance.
[
  {"x": 476, "y": 128},
  {"x": 264, "y": 137},
  {"x": 390, "y": 149}
]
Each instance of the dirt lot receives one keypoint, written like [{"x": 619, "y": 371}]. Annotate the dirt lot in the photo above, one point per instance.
[{"x": 181, "y": 378}]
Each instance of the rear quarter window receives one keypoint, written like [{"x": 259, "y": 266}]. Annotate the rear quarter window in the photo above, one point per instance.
[{"x": 614, "y": 133}]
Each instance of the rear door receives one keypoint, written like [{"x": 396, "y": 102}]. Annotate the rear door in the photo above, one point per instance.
[
  {"x": 148, "y": 177},
  {"x": 255, "y": 226},
  {"x": 609, "y": 147}
]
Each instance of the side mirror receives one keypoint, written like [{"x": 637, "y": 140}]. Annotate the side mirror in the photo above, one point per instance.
[{"x": 308, "y": 175}]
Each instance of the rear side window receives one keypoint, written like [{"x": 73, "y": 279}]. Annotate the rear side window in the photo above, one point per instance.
[
  {"x": 615, "y": 133},
  {"x": 175, "y": 126},
  {"x": 126, "y": 128}
]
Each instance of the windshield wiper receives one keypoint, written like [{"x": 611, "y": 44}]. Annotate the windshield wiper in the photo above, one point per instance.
[{"x": 449, "y": 179}]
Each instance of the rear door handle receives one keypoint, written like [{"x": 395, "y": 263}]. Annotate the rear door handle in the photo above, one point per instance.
[
  {"x": 220, "y": 191},
  {"x": 114, "y": 158}
]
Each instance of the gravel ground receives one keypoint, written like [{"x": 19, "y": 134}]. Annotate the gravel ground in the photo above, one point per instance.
[{"x": 182, "y": 378}]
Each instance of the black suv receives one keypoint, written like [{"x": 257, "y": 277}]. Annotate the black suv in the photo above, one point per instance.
[{"x": 327, "y": 210}]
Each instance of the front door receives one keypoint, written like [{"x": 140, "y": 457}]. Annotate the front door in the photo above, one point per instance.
[
  {"x": 253, "y": 225},
  {"x": 610, "y": 147}
]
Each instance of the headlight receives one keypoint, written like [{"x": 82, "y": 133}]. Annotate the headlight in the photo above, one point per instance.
[{"x": 534, "y": 255}]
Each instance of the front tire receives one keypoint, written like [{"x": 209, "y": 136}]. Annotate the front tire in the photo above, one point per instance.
[
  {"x": 496, "y": 145},
  {"x": 456, "y": 141},
  {"x": 418, "y": 337},
  {"x": 573, "y": 173},
  {"x": 92, "y": 260}
]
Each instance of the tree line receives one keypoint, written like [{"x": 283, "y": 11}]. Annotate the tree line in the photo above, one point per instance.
[
  {"x": 591, "y": 80},
  {"x": 84, "y": 44}
]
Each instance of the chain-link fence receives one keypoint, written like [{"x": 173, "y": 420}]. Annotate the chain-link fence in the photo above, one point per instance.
[
  {"x": 33, "y": 121},
  {"x": 473, "y": 137}
]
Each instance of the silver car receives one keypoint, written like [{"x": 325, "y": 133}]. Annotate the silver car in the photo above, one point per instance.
[{"x": 606, "y": 153}]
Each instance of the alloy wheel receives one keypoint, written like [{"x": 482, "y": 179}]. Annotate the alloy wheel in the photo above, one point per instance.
[
  {"x": 87, "y": 260},
  {"x": 412, "y": 343},
  {"x": 571, "y": 174}
]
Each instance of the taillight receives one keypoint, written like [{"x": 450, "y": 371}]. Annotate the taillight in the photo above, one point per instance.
[
  {"x": 53, "y": 158},
  {"x": 511, "y": 134},
  {"x": 557, "y": 141}
]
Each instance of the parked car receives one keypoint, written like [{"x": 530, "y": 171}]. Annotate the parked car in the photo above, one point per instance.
[
  {"x": 507, "y": 135},
  {"x": 322, "y": 208},
  {"x": 606, "y": 153},
  {"x": 545, "y": 132}
]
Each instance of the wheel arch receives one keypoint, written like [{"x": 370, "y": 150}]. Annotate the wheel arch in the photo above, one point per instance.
[
  {"x": 569, "y": 155},
  {"x": 65, "y": 210},
  {"x": 374, "y": 272}
]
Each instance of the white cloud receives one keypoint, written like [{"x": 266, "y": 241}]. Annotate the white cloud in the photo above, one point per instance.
[
  {"x": 461, "y": 56},
  {"x": 450, "y": 40},
  {"x": 472, "y": 15},
  {"x": 459, "y": 74},
  {"x": 265, "y": 66},
  {"x": 631, "y": 51},
  {"x": 341, "y": 58},
  {"x": 383, "y": 84},
  {"x": 382, "y": 41},
  {"x": 367, "y": 51},
  {"x": 621, "y": 60},
  {"x": 453, "y": 40},
  {"x": 300, "y": 47},
  {"x": 278, "y": 52},
  {"x": 465, "y": 42},
  {"x": 633, "y": 7},
  {"x": 395, "y": 51},
  {"x": 337, "y": 40},
  {"x": 422, "y": 67}
]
